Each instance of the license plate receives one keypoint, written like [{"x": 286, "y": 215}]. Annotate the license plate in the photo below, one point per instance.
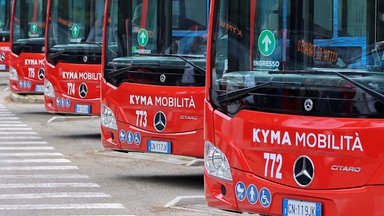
[
  {"x": 301, "y": 208},
  {"x": 82, "y": 109},
  {"x": 39, "y": 88},
  {"x": 159, "y": 146},
  {"x": 2, "y": 67}
]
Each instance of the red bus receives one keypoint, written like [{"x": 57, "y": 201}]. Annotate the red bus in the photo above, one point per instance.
[
  {"x": 154, "y": 76},
  {"x": 294, "y": 107},
  {"x": 73, "y": 53},
  {"x": 26, "y": 62},
  {"x": 5, "y": 16}
]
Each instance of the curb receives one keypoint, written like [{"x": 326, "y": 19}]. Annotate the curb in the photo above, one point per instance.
[{"x": 28, "y": 99}]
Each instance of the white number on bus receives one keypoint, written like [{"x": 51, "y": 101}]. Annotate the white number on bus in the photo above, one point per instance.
[
  {"x": 141, "y": 118},
  {"x": 271, "y": 160},
  {"x": 31, "y": 72}
]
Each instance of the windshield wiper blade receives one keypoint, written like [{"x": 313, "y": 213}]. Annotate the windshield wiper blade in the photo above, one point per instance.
[
  {"x": 99, "y": 44},
  {"x": 126, "y": 69},
  {"x": 237, "y": 94},
  {"x": 377, "y": 95},
  {"x": 56, "y": 54},
  {"x": 197, "y": 67}
]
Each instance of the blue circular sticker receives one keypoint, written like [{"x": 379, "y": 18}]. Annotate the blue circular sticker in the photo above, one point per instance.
[
  {"x": 265, "y": 197},
  {"x": 240, "y": 191},
  {"x": 137, "y": 138},
  {"x": 129, "y": 137},
  {"x": 122, "y": 136},
  {"x": 252, "y": 194},
  {"x": 58, "y": 102}
]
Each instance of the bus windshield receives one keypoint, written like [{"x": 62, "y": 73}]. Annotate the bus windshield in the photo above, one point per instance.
[
  {"x": 75, "y": 29},
  {"x": 172, "y": 34},
  {"x": 322, "y": 58},
  {"x": 5, "y": 11},
  {"x": 29, "y": 26}
]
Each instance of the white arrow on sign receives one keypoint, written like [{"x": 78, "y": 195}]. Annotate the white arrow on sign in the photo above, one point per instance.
[
  {"x": 266, "y": 41},
  {"x": 143, "y": 37}
]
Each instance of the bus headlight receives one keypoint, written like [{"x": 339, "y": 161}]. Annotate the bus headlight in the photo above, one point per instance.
[
  {"x": 13, "y": 74},
  {"x": 216, "y": 163},
  {"x": 48, "y": 89},
  {"x": 108, "y": 118}
]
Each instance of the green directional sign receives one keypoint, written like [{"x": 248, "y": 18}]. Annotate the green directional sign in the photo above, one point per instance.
[
  {"x": 75, "y": 30},
  {"x": 34, "y": 28},
  {"x": 143, "y": 37},
  {"x": 267, "y": 43}
]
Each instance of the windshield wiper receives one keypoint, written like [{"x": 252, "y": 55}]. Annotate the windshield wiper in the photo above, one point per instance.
[
  {"x": 238, "y": 94},
  {"x": 56, "y": 54},
  {"x": 101, "y": 46},
  {"x": 123, "y": 70},
  {"x": 377, "y": 95},
  {"x": 197, "y": 67}
]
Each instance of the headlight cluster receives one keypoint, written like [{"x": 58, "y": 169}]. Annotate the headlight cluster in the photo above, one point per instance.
[
  {"x": 48, "y": 89},
  {"x": 13, "y": 74},
  {"x": 216, "y": 163},
  {"x": 108, "y": 118}
]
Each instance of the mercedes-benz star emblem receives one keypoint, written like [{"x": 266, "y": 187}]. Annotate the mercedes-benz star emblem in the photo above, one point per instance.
[
  {"x": 163, "y": 78},
  {"x": 41, "y": 74},
  {"x": 83, "y": 90},
  {"x": 160, "y": 121},
  {"x": 308, "y": 105},
  {"x": 303, "y": 171},
  {"x": 85, "y": 59}
]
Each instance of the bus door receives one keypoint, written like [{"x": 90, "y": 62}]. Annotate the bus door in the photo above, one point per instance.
[
  {"x": 154, "y": 75},
  {"x": 27, "y": 45},
  {"x": 73, "y": 55},
  {"x": 5, "y": 16}
]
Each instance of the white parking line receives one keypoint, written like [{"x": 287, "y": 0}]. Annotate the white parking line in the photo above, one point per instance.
[
  {"x": 64, "y": 206},
  {"x": 30, "y": 154},
  {"x": 58, "y": 176},
  {"x": 17, "y": 133},
  {"x": 13, "y": 125},
  {"x": 9, "y": 118},
  {"x": 27, "y": 148},
  {"x": 54, "y": 195},
  {"x": 16, "y": 129},
  {"x": 6, "y": 114},
  {"x": 51, "y": 185},
  {"x": 20, "y": 137},
  {"x": 11, "y": 122},
  {"x": 35, "y": 161},
  {"x": 29, "y": 168},
  {"x": 24, "y": 143}
]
